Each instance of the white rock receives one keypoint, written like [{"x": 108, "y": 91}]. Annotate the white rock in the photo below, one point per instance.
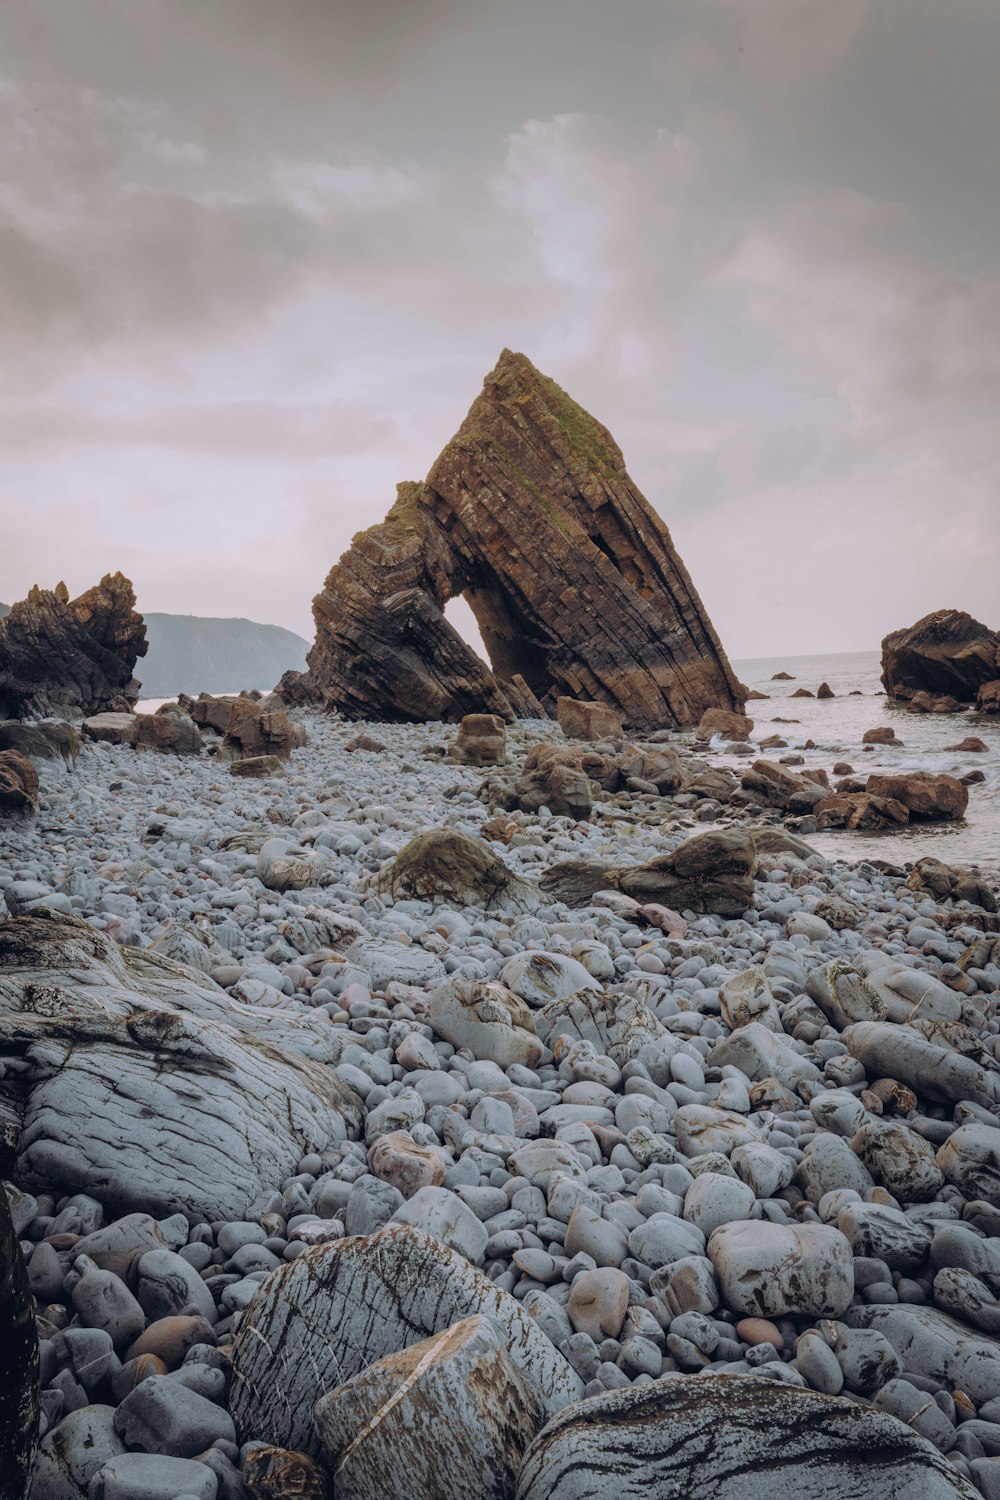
[
  {"x": 541, "y": 977},
  {"x": 486, "y": 1018},
  {"x": 747, "y": 997},
  {"x": 448, "y": 1219},
  {"x": 769, "y": 1269}
]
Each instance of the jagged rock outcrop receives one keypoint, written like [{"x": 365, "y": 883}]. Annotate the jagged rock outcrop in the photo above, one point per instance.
[
  {"x": 947, "y": 652},
  {"x": 71, "y": 657},
  {"x": 528, "y": 513}
]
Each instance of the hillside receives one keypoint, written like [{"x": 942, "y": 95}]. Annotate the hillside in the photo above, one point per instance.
[{"x": 190, "y": 654}]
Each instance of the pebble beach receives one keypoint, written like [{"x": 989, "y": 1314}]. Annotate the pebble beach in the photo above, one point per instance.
[{"x": 757, "y": 1151}]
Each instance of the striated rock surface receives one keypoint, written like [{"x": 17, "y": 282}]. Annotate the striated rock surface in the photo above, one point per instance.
[
  {"x": 721, "y": 1438},
  {"x": 18, "y": 1361},
  {"x": 530, "y": 514},
  {"x": 945, "y": 653},
  {"x": 71, "y": 657}
]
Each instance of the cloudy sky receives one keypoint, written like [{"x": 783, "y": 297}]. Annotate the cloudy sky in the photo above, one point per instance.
[{"x": 256, "y": 257}]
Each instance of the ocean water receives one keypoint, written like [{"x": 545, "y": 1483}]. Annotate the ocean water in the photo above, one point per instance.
[{"x": 836, "y": 726}]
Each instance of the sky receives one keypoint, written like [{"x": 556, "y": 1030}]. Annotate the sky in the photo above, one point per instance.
[{"x": 256, "y": 258}]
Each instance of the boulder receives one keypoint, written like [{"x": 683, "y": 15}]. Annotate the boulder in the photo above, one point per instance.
[
  {"x": 486, "y": 1018},
  {"x": 169, "y": 729},
  {"x": 939, "y": 1072},
  {"x": 111, "y": 728},
  {"x": 711, "y": 872},
  {"x": 944, "y": 652},
  {"x": 859, "y": 810},
  {"x": 970, "y": 1160},
  {"x": 71, "y": 657},
  {"x": 925, "y": 795},
  {"x": 271, "y": 1473},
  {"x": 46, "y": 741},
  {"x": 772, "y": 1270},
  {"x": 825, "y": 691},
  {"x": 152, "y": 1088},
  {"x": 882, "y": 735},
  {"x": 727, "y": 1437},
  {"x": 18, "y": 786},
  {"x": 447, "y": 866},
  {"x": 988, "y": 695},
  {"x": 251, "y": 731},
  {"x": 934, "y": 703},
  {"x": 775, "y": 784},
  {"x": 946, "y": 883},
  {"x": 553, "y": 776},
  {"x": 318, "y": 1321},
  {"x": 257, "y": 767},
  {"x": 572, "y": 576},
  {"x": 722, "y": 721},
  {"x": 579, "y": 720},
  {"x": 936, "y": 1346},
  {"x": 481, "y": 741},
  {"x": 446, "y": 1419},
  {"x": 617, "y": 1023}
]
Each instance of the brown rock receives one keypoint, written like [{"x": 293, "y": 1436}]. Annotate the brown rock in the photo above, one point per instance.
[
  {"x": 882, "y": 735},
  {"x": 760, "y": 1331},
  {"x": 281, "y": 1474},
  {"x": 556, "y": 776},
  {"x": 843, "y": 768},
  {"x": 174, "y": 731},
  {"x": 946, "y": 883},
  {"x": 365, "y": 742},
  {"x": 778, "y": 787},
  {"x": 574, "y": 581},
  {"x": 947, "y": 652},
  {"x": 988, "y": 697},
  {"x": 396, "y": 1158},
  {"x": 931, "y": 703},
  {"x": 169, "y": 1339},
  {"x": 256, "y": 767},
  {"x": 18, "y": 785},
  {"x": 710, "y": 872},
  {"x": 481, "y": 741},
  {"x": 825, "y": 691},
  {"x": 803, "y": 693},
  {"x": 773, "y": 742},
  {"x": 782, "y": 677},
  {"x": 927, "y": 796},
  {"x": 252, "y": 731},
  {"x": 50, "y": 740},
  {"x": 446, "y": 865},
  {"x": 580, "y": 720},
  {"x": 859, "y": 810},
  {"x": 722, "y": 721},
  {"x": 71, "y": 657},
  {"x": 212, "y": 711},
  {"x": 111, "y": 728},
  {"x": 971, "y": 743},
  {"x": 754, "y": 697}
]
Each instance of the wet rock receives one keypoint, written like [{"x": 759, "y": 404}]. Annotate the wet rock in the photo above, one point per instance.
[
  {"x": 925, "y": 796},
  {"x": 944, "y": 652}
]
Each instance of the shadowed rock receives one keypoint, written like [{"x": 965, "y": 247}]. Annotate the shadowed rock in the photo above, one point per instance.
[
  {"x": 18, "y": 1362},
  {"x": 71, "y": 657},
  {"x": 946, "y": 652},
  {"x": 528, "y": 513}
]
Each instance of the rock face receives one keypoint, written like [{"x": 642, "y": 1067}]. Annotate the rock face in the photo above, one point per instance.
[
  {"x": 529, "y": 514},
  {"x": 318, "y": 1322},
  {"x": 71, "y": 657},
  {"x": 718, "y": 1437},
  {"x": 18, "y": 1362},
  {"x": 947, "y": 652},
  {"x": 144, "y": 1084}
]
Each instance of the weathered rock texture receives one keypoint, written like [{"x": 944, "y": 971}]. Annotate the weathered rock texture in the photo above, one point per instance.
[
  {"x": 721, "y": 1437},
  {"x": 945, "y": 652},
  {"x": 18, "y": 1361},
  {"x": 143, "y": 1083},
  {"x": 320, "y": 1320},
  {"x": 71, "y": 657},
  {"x": 573, "y": 578}
]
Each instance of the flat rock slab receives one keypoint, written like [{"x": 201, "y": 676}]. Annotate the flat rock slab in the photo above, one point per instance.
[
  {"x": 320, "y": 1320},
  {"x": 148, "y": 1088},
  {"x": 725, "y": 1437}
]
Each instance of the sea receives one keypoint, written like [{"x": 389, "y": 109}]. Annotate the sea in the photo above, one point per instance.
[{"x": 835, "y": 725}]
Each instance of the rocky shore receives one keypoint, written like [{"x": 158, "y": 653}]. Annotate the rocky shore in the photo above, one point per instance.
[{"x": 448, "y": 1116}]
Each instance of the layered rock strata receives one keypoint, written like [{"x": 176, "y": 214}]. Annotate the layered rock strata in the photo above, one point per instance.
[
  {"x": 71, "y": 657},
  {"x": 946, "y": 652},
  {"x": 530, "y": 514}
]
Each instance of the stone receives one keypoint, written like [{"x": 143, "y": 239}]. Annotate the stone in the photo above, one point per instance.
[
  {"x": 946, "y": 651},
  {"x": 777, "y": 1269},
  {"x": 101, "y": 1300},
  {"x": 253, "y": 730},
  {"x": 539, "y": 978},
  {"x": 49, "y": 740},
  {"x": 71, "y": 1453},
  {"x": 446, "y": 1419},
  {"x": 168, "y": 730},
  {"x": 153, "y": 1476},
  {"x": 829, "y": 1165},
  {"x": 587, "y": 721},
  {"x": 701, "y": 1127},
  {"x": 616, "y": 1022},
  {"x": 900, "y": 1159},
  {"x": 320, "y": 1319},
  {"x": 925, "y": 795},
  {"x": 488, "y": 1019},
  {"x": 481, "y": 741},
  {"x": 901, "y": 1052},
  {"x": 860, "y": 810},
  {"x": 19, "y": 1366},
  {"x": 528, "y": 462},
  {"x": 18, "y": 785},
  {"x": 257, "y": 767},
  {"x": 711, "y": 872},
  {"x": 170, "y": 1338},
  {"x": 162, "y": 1415},
  {"x": 936, "y": 1346},
  {"x": 238, "y": 1110},
  {"x": 882, "y": 1233},
  {"x": 590, "y": 1233},
  {"x": 746, "y": 997},
  {"x": 71, "y": 658},
  {"x": 881, "y": 735},
  {"x": 760, "y": 1053},
  {"x": 598, "y": 1302},
  {"x": 934, "y": 703},
  {"x": 713, "y": 1200},
  {"x": 970, "y": 1160},
  {"x": 440, "y": 1213},
  {"x": 280, "y": 1474},
  {"x": 988, "y": 697},
  {"x": 727, "y": 1437},
  {"x": 722, "y": 721},
  {"x": 397, "y": 1159},
  {"x": 445, "y": 865},
  {"x": 947, "y": 883}
]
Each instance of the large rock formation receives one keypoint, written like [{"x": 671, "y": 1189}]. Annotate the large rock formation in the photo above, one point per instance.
[
  {"x": 945, "y": 652},
  {"x": 528, "y": 513},
  {"x": 71, "y": 657}
]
